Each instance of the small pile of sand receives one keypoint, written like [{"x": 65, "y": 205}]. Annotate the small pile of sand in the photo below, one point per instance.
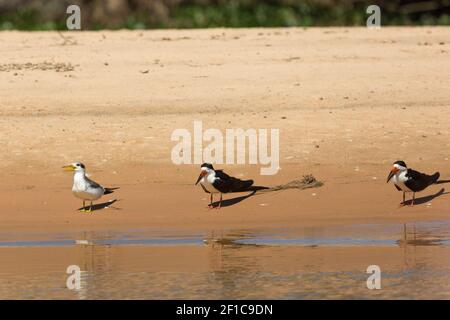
[{"x": 308, "y": 181}]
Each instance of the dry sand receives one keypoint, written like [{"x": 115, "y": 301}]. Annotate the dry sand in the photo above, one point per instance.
[{"x": 348, "y": 102}]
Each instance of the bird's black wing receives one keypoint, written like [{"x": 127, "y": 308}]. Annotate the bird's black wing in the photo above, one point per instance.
[
  {"x": 110, "y": 190},
  {"x": 93, "y": 184},
  {"x": 224, "y": 183},
  {"x": 418, "y": 181}
]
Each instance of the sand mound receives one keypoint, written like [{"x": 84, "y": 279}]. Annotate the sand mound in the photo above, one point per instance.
[{"x": 306, "y": 182}]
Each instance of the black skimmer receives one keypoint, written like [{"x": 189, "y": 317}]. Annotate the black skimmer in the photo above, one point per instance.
[
  {"x": 409, "y": 180},
  {"x": 83, "y": 187},
  {"x": 217, "y": 181}
]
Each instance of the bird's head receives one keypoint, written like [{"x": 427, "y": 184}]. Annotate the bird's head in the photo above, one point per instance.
[
  {"x": 397, "y": 167},
  {"x": 76, "y": 166},
  {"x": 205, "y": 169}
]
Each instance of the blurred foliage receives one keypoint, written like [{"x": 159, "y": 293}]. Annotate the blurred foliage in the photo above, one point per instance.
[{"x": 142, "y": 14}]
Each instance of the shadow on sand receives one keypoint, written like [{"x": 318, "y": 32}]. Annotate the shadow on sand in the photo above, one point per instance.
[
  {"x": 233, "y": 201},
  {"x": 101, "y": 206},
  {"x": 426, "y": 199}
]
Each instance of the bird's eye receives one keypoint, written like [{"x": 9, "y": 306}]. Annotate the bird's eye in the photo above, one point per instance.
[{"x": 78, "y": 164}]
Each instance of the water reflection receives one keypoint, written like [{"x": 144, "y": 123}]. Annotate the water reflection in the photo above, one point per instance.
[
  {"x": 418, "y": 235},
  {"x": 242, "y": 264},
  {"x": 230, "y": 267}
]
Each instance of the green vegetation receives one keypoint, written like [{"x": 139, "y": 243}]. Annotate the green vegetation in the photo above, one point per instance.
[{"x": 219, "y": 13}]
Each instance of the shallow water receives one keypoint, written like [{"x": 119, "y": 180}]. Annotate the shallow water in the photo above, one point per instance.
[
  {"x": 305, "y": 263},
  {"x": 422, "y": 233}
]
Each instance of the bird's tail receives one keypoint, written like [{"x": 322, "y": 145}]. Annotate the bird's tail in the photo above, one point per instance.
[
  {"x": 435, "y": 177},
  {"x": 257, "y": 188},
  {"x": 242, "y": 185},
  {"x": 110, "y": 190}
]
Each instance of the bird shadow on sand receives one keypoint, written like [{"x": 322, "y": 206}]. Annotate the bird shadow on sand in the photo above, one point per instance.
[
  {"x": 233, "y": 201},
  {"x": 426, "y": 199},
  {"x": 103, "y": 205}
]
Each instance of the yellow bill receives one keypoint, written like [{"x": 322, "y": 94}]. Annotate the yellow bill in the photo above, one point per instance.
[{"x": 70, "y": 167}]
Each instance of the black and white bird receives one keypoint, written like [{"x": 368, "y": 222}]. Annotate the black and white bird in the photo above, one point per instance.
[
  {"x": 409, "y": 180},
  {"x": 217, "y": 181},
  {"x": 84, "y": 188}
]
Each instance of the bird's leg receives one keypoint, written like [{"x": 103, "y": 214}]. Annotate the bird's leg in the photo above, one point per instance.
[
  {"x": 211, "y": 199},
  {"x": 404, "y": 198},
  {"x": 413, "y": 198},
  {"x": 90, "y": 209},
  {"x": 83, "y": 208},
  {"x": 220, "y": 202}
]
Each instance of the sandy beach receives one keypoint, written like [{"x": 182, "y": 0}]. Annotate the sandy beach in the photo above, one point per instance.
[{"x": 348, "y": 103}]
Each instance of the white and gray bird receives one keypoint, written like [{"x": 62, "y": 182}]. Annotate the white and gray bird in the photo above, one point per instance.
[{"x": 84, "y": 188}]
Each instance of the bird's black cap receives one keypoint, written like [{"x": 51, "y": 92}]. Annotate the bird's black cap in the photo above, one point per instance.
[
  {"x": 401, "y": 163},
  {"x": 207, "y": 165},
  {"x": 79, "y": 164}
]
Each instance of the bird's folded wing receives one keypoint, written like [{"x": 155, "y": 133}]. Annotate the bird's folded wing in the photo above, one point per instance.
[
  {"x": 417, "y": 180},
  {"x": 93, "y": 184},
  {"x": 225, "y": 183},
  {"x": 415, "y": 175}
]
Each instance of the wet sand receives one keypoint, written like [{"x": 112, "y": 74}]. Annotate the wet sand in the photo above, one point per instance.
[{"x": 348, "y": 102}]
